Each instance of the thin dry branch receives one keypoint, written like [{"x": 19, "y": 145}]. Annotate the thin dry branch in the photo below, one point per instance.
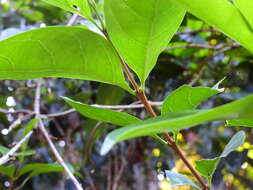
[
  {"x": 193, "y": 32},
  {"x": 114, "y": 107},
  {"x": 58, "y": 156},
  {"x": 11, "y": 153},
  {"x": 219, "y": 47},
  {"x": 46, "y": 135},
  {"x": 72, "y": 20},
  {"x": 5, "y": 111}
]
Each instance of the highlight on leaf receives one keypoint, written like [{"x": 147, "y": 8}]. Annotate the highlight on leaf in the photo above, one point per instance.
[{"x": 239, "y": 109}]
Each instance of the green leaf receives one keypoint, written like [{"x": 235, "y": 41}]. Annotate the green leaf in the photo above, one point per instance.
[
  {"x": 35, "y": 167},
  {"x": 4, "y": 150},
  {"x": 246, "y": 8},
  {"x": 176, "y": 179},
  {"x": 101, "y": 114},
  {"x": 240, "y": 109},
  {"x": 140, "y": 30},
  {"x": 70, "y": 52},
  {"x": 92, "y": 130},
  {"x": 107, "y": 115},
  {"x": 207, "y": 167},
  {"x": 8, "y": 170},
  {"x": 80, "y": 7},
  {"x": 223, "y": 15},
  {"x": 186, "y": 98},
  {"x": 242, "y": 123},
  {"x": 233, "y": 144},
  {"x": 25, "y": 153},
  {"x": 47, "y": 169},
  {"x": 40, "y": 168}
]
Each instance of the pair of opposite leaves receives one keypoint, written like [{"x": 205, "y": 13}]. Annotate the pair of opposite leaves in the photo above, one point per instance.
[{"x": 138, "y": 30}]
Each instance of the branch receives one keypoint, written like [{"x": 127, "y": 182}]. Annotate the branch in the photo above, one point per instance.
[
  {"x": 16, "y": 123},
  {"x": 72, "y": 20},
  {"x": 58, "y": 156},
  {"x": 11, "y": 153},
  {"x": 193, "y": 32},
  {"x": 46, "y": 135},
  {"x": 142, "y": 97},
  {"x": 113, "y": 107},
  {"x": 221, "y": 47},
  {"x": 16, "y": 112}
]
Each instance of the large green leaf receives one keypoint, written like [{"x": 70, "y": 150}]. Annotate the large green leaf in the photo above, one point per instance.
[
  {"x": 186, "y": 98},
  {"x": 141, "y": 29},
  {"x": 71, "y": 52},
  {"x": 240, "y": 109},
  {"x": 223, "y": 15},
  {"x": 80, "y": 7},
  {"x": 101, "y": 114},
  {"x": 246, "y": 8},
  {"x": 207, "y": 167}
]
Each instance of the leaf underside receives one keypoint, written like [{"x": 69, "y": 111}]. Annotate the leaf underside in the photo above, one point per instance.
[
  {"x": 240, "y": 109},
  {"x": 101, "y": 114}
]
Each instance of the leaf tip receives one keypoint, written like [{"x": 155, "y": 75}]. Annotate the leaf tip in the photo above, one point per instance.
[
  {"x": 64, "y": 97},
  {"x": 107, "y": 146},
  {"x": 217, "y": 85}
]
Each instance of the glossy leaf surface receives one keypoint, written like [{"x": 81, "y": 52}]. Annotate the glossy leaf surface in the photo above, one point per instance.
[
  {"x": 140, "y": 30},
  {"x": 246, "y": 8},
  {"x": 101, "y": 114},
  {"x": 241, "y": 123},
  {"x": 69, "y": 52},
  {"x": 240, "y": 109},
  {"x": 80, "y": 7},
  {"x": 186, "y": 98},
  {"x": 224, "y": 16}
]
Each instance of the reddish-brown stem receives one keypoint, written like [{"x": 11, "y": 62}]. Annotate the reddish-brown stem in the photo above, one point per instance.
[
  {"x": 125, "y": 67},
  {"x": 142, "y": 97},
  {"x": 171, "y": 142},
  {"x": 186, "y": 162}
]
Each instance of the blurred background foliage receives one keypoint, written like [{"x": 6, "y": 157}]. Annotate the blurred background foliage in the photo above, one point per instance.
[{"x": 197, "y": 55}]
